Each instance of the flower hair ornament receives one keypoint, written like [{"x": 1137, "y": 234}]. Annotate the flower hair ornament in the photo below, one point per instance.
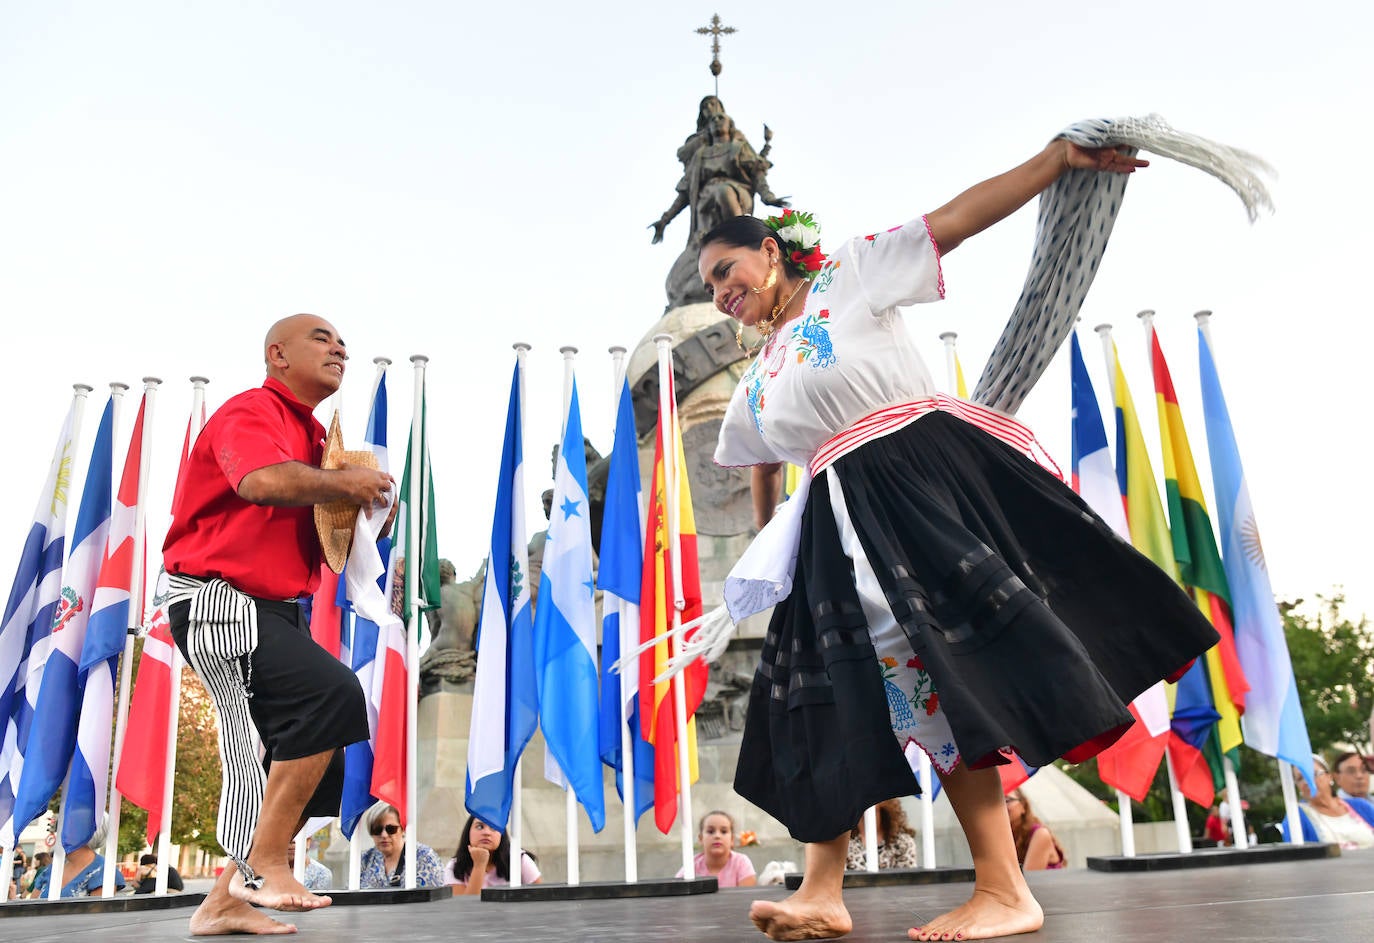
[{"x": 799, "y": 237}]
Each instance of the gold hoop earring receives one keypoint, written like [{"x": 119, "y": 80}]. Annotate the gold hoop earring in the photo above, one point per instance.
[{"x": 770, "y": 280}]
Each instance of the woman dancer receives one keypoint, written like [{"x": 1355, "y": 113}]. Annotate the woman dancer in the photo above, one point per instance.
[{"x": 940, "y": 575}]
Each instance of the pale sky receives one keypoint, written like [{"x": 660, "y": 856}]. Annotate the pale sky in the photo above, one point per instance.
[{"x": 446, "y": 178}]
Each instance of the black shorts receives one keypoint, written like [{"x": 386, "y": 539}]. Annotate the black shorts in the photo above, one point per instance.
[{"x": 304, "y": 701}]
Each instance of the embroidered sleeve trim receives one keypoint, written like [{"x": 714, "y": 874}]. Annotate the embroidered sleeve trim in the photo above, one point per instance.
[{"x": 939, "y": 269}]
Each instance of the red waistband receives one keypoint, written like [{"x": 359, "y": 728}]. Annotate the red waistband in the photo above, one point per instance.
[{"x": 889, "y": 419}]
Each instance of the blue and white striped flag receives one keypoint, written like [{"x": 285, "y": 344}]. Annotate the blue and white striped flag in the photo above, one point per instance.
[
  {"x": 505, "y": 698},
  {"x": 53, "y": 735},
  {"x": 362, "y": 643},
  {"x": 1273, "y": 720},
  {"x": 621, "y": 570},
  {"x": 565, "y": 630},
  {"x": 28, "y": 616}
]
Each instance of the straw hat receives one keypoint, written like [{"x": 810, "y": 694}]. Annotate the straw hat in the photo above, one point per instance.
[{"x": 334, "y": 521}]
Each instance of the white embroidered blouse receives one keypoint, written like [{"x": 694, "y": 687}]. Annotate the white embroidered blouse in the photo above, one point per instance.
[{"x": 844, "y": 356}]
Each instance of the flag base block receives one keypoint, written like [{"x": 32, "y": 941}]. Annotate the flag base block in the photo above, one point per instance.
[
  {"x": 389, "y": 895},
  {"x": 602, "y": 890},
  {"x": 120, "y": 903},
  {"x": 894, "y": 876},
  {"x": 1214, "y": 858}
]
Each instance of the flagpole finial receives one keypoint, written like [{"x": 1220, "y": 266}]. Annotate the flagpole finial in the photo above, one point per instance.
[
  {"x": 1103, "y": 329},
  {"x": 1147, "y": 315},
  {"x": 200, "y": 381},
  {"x": 614, "y": 350},
  {"x": 948, "y": 336},
  {"x": 418, "y": 359},
  {"x": 568, "y": 350},
  {"x": 1203, "y": 316},
  {"x": 118, "y": 389},
  {"x": 663, "y": 338},
  {"x": 382, "y": 361},
  {"x": 521, "y": 346},
  {"x": 151, "y": 381},
  {"x": 82, "y": 388}
]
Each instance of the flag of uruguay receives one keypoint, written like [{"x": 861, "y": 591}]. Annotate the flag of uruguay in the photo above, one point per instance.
[
  {"x": 505, "y": 702},
  {"x": 29, "y": 612},
  {"x": 362, "y": 643},
  {"x": 619, "y": 576},
  {"x": 1273, "y": 718},
  {"x": 565, "y": 628},
  {"x": 83, "y": 801},
  {"x": 1095, "y": 479},
  {"x": 43, "y": 765}
]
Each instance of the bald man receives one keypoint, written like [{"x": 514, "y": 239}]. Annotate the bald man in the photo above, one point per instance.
[{"x": 241, "y": 555}]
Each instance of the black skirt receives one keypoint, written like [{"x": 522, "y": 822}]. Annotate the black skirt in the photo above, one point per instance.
[{"x": 1037, "y": 623}]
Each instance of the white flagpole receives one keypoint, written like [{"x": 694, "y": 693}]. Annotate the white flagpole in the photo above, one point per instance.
[
  {"x": 569, "y": 796},
  {"x": 871, "y": 839},
  {"x": 137, "y": 578},
  {"x": 164, "y": 837},
  {"x": 1239, "y": 839},
  {"x": 515, "y": 827},
  {"x": 419, "y": 482},
  {"x": 627, "y": 643},
  {"x": 1123, "y": 807},
  {"x": 1185, "y": 838},
  {"x": 667, "y": 408},
  {"x": 924, "y": 776},
  {"x": 951, "y": 370}
]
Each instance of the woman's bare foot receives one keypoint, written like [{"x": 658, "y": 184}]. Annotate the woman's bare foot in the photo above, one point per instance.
[
  {"x": 985, "y": 915},
  {"x": 801, "y": 918},
  {"x": 217, "y": 916},
  {"x": 280, "y": 891}
]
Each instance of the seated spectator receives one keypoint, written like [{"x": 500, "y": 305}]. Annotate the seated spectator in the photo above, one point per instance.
[
  {"x": 1036, "y": 847},
  {"x": 384, "y": 865},
  {"x": 1352, "y": 776},
  {"x": 83, "y": 872},
  {"x": 41, "y": 862},
  {"x": 896, "y": 840},
  {"x": 1215, "y": 829},
  {"x": 482, "y": 859},
  {"x": 317, "y": 876},
  {"x": 718, "y": 858},
  {"x": 147, "y": 876},
  {"x": 1329, "y": 819}
]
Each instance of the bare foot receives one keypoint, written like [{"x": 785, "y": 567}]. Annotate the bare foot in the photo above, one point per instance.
[
  {"x": 280, "y": 891},
  {"x": 801, "y": 918},
  {"x": 220, "y": 917},
  {"x": 984, "y": 915}
]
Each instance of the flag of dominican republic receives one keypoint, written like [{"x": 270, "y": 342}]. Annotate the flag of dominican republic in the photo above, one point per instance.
[
  {"x": 362, "y": 640},
  {"x": 565, "y": 630},
  {"x": 1130, "y": 763},
  {"x": 1273, "y": 721},
  {"x": 1199, "y": 563},
  {"x": 53, "y": 735},
  {"x": 143, "y": 761},
  {"x": 619, "y": 577},
  {"x": 656, "y": 606},
  {"x": 28, "y": 618},
  {"x": 83, "y": 801},
  {"x": 1191, "y": 715},
  {"x": 505, "y": 695}
]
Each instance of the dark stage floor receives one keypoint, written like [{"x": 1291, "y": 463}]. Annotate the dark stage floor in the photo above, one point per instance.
[{"x": 1330, "y": 901}]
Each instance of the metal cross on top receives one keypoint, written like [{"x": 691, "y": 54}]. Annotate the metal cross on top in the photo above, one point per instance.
[{"x": 715, "y": 31}]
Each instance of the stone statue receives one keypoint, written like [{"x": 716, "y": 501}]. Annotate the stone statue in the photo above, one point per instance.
[
  {"x": 450, "y": 660},
  {"x": 721, "y": 175}
]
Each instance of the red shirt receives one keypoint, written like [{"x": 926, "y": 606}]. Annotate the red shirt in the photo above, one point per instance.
[{"x": 271, "y": 552}]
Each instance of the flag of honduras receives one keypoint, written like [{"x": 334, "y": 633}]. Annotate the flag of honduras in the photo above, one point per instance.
[
  {"x": 565, "y": 629},
  {"x": 28, "y": 613},
  {"x": 505, "y": 700},
  {"x": 53, "y": 735},
  {"x": 83, "y": 801}
]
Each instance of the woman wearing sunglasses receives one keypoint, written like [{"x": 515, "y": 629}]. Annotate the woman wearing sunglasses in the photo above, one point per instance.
[{"x": 384, "y": 865}]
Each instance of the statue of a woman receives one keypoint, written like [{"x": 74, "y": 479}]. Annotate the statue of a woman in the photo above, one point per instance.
[{"x": 721, "y": 175}]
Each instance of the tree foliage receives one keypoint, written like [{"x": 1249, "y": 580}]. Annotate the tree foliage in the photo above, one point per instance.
[{"x": 1333, "y": 661}]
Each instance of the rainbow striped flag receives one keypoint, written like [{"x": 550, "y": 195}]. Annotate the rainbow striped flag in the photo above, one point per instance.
[{"x": 1200, "y": 566}]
